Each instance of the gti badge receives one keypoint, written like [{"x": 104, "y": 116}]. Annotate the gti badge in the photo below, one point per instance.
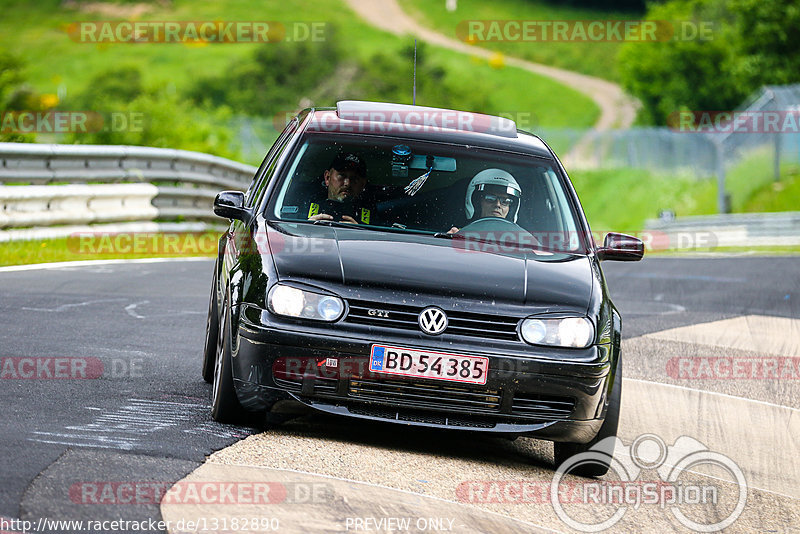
[{"x": 378, "y": 313}]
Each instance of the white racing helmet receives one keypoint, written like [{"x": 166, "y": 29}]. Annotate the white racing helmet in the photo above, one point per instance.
[{"x": 492, "y": 181}]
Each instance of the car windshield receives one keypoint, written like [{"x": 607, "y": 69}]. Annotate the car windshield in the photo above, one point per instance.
[{"x": 450, "y": 191}]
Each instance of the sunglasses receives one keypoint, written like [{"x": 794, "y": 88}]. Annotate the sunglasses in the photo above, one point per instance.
[{"x": 494, "y": 198}]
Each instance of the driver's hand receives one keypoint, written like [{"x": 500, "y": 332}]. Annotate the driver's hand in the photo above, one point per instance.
[
  {"x": 325, "y": 217},
  {"x": 452, "y": 230}
]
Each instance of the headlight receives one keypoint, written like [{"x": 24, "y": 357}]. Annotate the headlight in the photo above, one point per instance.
[
  {"x": 293, "y": 302},
  {"x": 574, "y": 332}
]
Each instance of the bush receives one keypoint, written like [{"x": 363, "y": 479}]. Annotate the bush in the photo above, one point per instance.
[
  {"x": 14, "y": 95},
  {"x": 288, "y": 76},
  {"x": 136, "y": 115}
]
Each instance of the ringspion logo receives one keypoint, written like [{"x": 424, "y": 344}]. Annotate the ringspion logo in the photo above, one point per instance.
[{"x": 674, "y": 490}]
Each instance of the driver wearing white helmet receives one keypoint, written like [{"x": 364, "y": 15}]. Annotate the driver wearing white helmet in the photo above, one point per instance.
[{"x": 492, "y": 193}]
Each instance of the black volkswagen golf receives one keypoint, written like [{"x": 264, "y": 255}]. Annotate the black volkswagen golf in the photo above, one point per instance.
[{"x": 418, "y": 266}]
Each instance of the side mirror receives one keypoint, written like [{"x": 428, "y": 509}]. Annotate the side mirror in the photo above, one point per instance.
[
  {"x": 621, "y": 247},
  {"x": 230, "y": 204}
]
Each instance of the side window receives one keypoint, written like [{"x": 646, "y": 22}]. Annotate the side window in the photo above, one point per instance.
[{"x": 267, "y": 168}]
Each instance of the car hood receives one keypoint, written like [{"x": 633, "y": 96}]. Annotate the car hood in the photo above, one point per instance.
[{"x": 424, "y": 264}]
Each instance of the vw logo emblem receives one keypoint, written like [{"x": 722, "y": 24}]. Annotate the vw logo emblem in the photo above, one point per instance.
[{"x": 432, "y": 321}]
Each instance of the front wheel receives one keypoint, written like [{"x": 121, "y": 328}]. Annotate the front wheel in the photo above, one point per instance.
[
  {"x": 225, "y": 407},
  {"x": 597, "y": 467},
  {"x": 212, "y": 331}
]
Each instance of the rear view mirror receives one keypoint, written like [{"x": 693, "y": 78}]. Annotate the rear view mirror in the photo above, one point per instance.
[
  {"x": 440, "y": 163},
  {"x": 621, "y": 247},
  {"x": 230, "y": 204}
]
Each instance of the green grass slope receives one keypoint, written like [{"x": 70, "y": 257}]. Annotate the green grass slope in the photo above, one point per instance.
[
  {"x": 594, "y": 58},
  {"x": 36, "y": 31}
]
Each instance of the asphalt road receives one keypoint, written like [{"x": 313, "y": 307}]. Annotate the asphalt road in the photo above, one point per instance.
[{"x": 139, "y": 326}]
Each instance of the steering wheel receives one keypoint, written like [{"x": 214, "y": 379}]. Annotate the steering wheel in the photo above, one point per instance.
[
  {"x": 493, "y": 224},
  {"x": 501, "y": 227},
  {"x": 336, "y": 209}
]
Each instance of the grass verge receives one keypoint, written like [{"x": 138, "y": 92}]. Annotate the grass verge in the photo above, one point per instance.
[
  {"x": 621, "y": 200},
  {"x": 787, "y": 250},
  {"x": 110, "y": 246}
]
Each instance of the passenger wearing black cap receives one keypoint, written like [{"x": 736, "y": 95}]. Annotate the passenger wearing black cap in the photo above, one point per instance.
[{"x": 345, "y": 180}]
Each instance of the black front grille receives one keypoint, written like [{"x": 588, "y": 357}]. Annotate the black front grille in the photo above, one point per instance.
[
  {"x": 294, "y": 382},
  {"x": 423, "y": 394},
  {"x": 542, "y": 406},
  {"x": 460, "y": 323}
]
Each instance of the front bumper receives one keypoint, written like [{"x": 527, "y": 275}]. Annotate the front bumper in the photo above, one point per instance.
[{"x": 555, "y": 394}]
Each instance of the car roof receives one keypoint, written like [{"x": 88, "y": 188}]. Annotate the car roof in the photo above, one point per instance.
[{"x": 425, "y": 123}]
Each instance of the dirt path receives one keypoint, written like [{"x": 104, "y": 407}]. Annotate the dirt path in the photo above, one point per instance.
[{"x": 617, "y": 109}]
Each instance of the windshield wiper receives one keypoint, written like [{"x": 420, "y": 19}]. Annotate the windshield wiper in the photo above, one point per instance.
[{"x": 445, "y": 235}]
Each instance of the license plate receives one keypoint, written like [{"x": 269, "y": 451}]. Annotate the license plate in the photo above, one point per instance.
[{"x": 428, "y": 364}]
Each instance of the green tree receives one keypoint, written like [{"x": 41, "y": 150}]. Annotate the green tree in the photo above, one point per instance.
[
  {"x": 753, "y": 43},
  {"x": 671, "y": 75},
  {"x": 769, "y": 34}
]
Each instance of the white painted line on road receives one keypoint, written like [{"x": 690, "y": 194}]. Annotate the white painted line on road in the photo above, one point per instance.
[
  {"x": 89, "y": 263},
  {"x": 130, "y": 425},
  {"x": 757, "y": 333},
  {"x": 129, "y": 309},
  {"x": 760, "y": 437},
  {"x": 65, "y": 307},
  {"x": 624, "y": 380}
]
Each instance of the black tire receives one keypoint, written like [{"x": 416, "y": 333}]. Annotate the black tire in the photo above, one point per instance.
[
  {"x": 225, "y": 407},
  {"x": 565, "y": 451},
  {"x": 212, "y": 331}
]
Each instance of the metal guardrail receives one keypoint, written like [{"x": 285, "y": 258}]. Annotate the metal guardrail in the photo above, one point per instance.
[
  {"x": 727, "y": 230},
  {"x": 82, "y": 185}
]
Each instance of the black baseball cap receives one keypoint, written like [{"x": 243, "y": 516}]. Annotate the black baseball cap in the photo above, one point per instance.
[{"x": 348, "y": 161}]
